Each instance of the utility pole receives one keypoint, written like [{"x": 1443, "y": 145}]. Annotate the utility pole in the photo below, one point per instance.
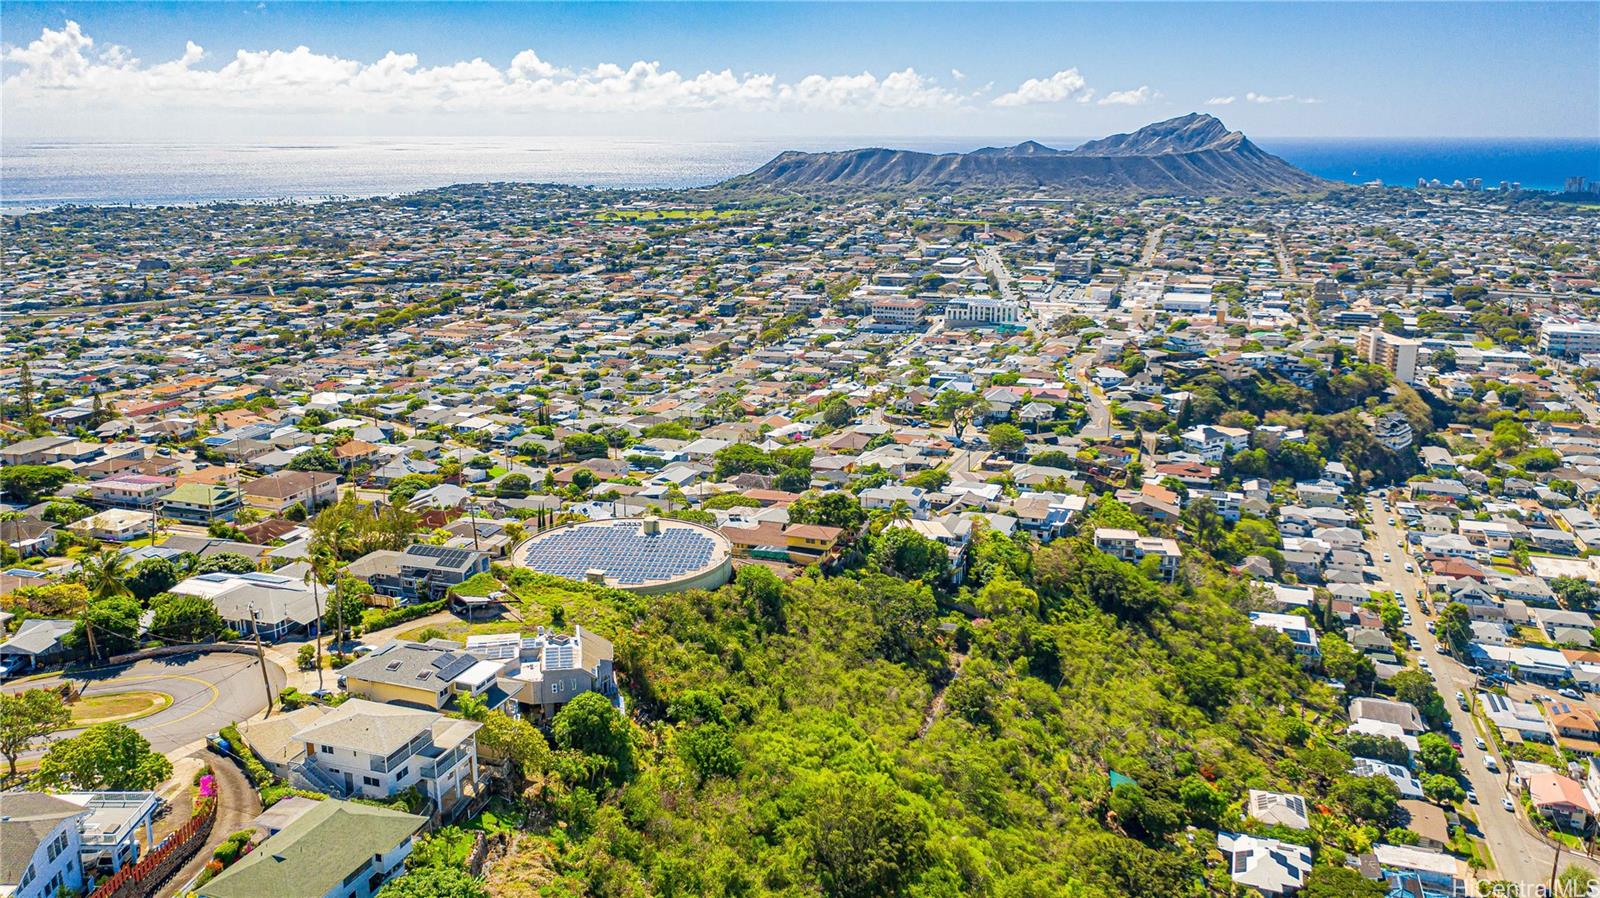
[
  {"x": 261, "y": 656},
  {"x": 1554, "y": 864},
  {"x": 88, "y": 630},
  {"x": 316, "y": 597}
]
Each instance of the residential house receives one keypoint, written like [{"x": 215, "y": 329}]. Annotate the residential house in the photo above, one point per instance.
[
  {"x": 272, "y": 605},
  {"x": 37, "y": 643},
  {"x": 1130, "y": 546},
  {"x": 373, "y": 750},
  {"x": 421, "y": 572},
  {"x": 1269, "y": 866},
  {"x": 1518, "y": 721},
  {"x": 119, "y": 525},
  {"x": 1213, "y": 442},
  {"x": 41, "y": 845},
  {"x": 335, "y": 849},
  {"x": 1428, "y": 822},
  {"x": 201, "y": 503},
  {"x": 544, "y": 672},
  {"x": 1296, "y": 628},
  {"x": 423, "y": 676},
  {"x": 276, "y": 492},
  {"x": 1562, "y": 799},
  {"x": 1278, "y": 809},
  {"x": 136, "y": 491}
]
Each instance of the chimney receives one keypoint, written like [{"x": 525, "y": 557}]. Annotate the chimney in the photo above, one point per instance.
[
  {"x": 595, "y": 575},
  {"x": 652, "y": 525}
]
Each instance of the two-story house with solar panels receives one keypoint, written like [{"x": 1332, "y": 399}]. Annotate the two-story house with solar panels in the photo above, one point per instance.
[{"x": 420, "y": 573}]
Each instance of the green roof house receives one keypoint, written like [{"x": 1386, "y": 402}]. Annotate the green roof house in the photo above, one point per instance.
[
  {"x": 202, "y": 503},
  {"x": 336, "y": 849}
]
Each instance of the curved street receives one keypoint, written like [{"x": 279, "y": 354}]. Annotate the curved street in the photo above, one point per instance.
[{"x": 208, "y": 692}]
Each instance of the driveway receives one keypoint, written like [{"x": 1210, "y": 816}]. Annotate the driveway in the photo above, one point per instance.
[
  {"x": 1518, "y": 855},
  {"x": 237, "y": 805},
  {"x": 208, "y": 692}
]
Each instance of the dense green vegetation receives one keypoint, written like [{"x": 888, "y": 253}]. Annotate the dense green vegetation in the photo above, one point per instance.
[{"x": 828, "y": 736}]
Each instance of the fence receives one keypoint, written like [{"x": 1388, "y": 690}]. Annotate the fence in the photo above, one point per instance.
[
  {"x": 159, "y": 863},
  {"x": 163, "y": 651}
]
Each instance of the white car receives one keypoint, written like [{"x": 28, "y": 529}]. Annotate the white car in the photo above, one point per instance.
[
  {"x": 1506, "y": 803},
  {"x": 1409, "y": 568},
  {"x": 1478, "y": 741},
  {"x": 1423, "y": 663},
  {"x": 1386, "y": 557}
]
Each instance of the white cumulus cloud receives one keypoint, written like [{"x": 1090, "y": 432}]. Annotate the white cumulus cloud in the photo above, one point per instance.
[
  {"x": 60, "y": 71},
  {"x": 1136, "y": 97},
  {"x": 1279, "y": 98},
  {"x": 1067, "y": 84}
]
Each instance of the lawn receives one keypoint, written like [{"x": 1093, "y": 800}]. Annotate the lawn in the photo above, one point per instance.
[
  {"x": 459, "y": 630},
  {"x": 539, "y": 600},
  {"x": 118, "y": 707}
]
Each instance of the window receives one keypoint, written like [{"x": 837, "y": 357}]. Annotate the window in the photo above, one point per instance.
[
  {"x": 370, "y": 781},
  {"x": 401, "y": 773},
  {"x": 325, "y": 749}
]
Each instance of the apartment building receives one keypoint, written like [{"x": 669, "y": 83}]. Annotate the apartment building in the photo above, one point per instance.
[
  {"x": 1377, "y": 346},
  {"x": 1569, "y": 339}
]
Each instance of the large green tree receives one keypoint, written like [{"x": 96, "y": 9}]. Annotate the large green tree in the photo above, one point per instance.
[
  {"x": 25, "y": 484},
  {"x": 27, "y": 717},
  {"x": 181, "y": 618},
  {"x": 862, "y": 837},
  {"x": 592, "y": 726},
  {"x": 105, "y": 757}
]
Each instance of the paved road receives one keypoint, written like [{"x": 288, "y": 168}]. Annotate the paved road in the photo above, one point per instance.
[
  {"x": 1519, "y": 856},
  {"x": 1100, "y": 425},
  {"x": 237, "y": 805},
  {"x": 208, "y": 692}
]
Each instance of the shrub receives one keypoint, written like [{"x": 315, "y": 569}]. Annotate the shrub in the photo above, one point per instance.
[
  {"x": 381, "y": 618},
  {"x": 254, "y": 770},
  {"x": 279, "y": 791}
]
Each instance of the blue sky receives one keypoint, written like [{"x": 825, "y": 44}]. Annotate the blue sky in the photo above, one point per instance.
[{"x": 1303, "y": 69}]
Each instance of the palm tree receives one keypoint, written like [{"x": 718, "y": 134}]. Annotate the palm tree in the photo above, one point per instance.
[
  {"x": 105, "y": 574},
  {"x": 324, "y": 563},
  {"x": 313, "y": 578}
]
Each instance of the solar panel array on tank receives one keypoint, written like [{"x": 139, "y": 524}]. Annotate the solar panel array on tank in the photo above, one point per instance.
[{"x": 623, "y": 551}]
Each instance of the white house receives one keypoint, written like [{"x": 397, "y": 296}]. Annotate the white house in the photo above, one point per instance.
[{"x": 43, "y": 845}]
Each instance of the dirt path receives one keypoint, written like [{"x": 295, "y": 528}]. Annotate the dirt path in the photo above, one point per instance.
[{"x": 936, "y": 707}]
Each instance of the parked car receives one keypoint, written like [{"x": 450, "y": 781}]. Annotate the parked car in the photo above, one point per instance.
[
  {"x": 1569, "y": 692},
  {"x": 1506, "y": 803},
  {"x": 1472, "y": 796},
  {"x": 1490, "y": 762},
  {"x": 1409, "y": 568},
  {"x": 1478, "y": 741}
]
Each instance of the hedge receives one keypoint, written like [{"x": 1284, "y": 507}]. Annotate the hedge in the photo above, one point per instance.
[
  {"x": 380, "y": 618},
  {"x": 254, "y": 770},
  {"x": 277, "y": 792}
]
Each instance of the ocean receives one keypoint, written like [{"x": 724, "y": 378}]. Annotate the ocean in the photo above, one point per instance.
[{"x": 43, "y": 174}]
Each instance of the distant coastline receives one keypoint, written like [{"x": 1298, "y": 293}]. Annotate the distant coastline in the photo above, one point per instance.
[{"x": 49, "y": 173}]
